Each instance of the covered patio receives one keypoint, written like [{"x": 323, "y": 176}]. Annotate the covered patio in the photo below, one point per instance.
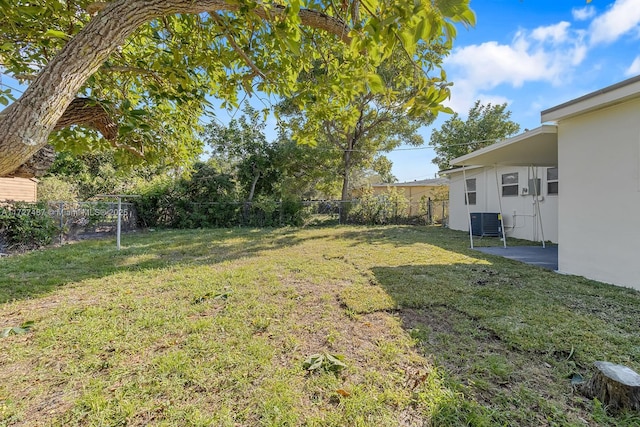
[
  {"x": 546, "y": 257},
  {"x": 531, "y": 149}
]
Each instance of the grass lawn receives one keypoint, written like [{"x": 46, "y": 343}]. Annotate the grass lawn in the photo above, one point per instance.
[{"x": 213, "y": 328}]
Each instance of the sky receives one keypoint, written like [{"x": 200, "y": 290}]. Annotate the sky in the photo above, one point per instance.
[{"x": 533, "y": 55}]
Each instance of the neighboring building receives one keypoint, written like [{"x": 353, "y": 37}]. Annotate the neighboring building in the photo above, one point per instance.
[
  {"x": 18, "y": 189},
  {"x": 588, "y": 162},
  {"x": 414, "y": 191}
]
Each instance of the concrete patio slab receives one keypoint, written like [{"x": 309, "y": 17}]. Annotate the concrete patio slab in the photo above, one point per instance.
[{"x": 535, "y": 255}]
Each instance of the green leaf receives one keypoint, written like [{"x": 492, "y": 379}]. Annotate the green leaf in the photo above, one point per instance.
[
  {"x": 56, "y": 34},
  {"x": 375, "y": 83},
  {"x": 371, "y": 5},
  {"x": 17, "y": 330}
]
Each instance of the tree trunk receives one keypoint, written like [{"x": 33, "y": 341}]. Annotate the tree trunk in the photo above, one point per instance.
[
  {"x": 616, "y": 386},
  {"x": 88, "y": 113},
  {"x": 253, "y": 187},
  {"x": 252, "y": 190},
  {"x": 81, "y": 111},
  {"x": 353, "y": 140},
  {"x": 38, "y": 165},
  {"x": 346, "y": 159},
  {"x": 26, "y": 124}
]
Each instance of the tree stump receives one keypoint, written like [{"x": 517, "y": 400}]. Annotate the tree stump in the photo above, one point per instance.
[{"x": 616, "y": 386}]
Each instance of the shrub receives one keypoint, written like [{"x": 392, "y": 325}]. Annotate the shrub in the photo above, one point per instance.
[
  {"x": 53, "y": 188},
  {"x": 27, "y": 225},
  {"x": 384, "y": 208},
  {"x": 210, "y": 199}
]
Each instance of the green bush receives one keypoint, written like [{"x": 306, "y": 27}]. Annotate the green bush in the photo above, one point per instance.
[
  {"x": 209, "y": 199},
  {"x": 27, "y": 225},
  {"x": 53, "y": 188},
  {"x": 387, "y": 208}
]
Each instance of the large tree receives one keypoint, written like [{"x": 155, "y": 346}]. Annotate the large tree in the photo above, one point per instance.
[
  {"x": 377, "y": 120},
  {"x": 485, "y": 125},
  {"x": 241, "y": 147},
  {"x": 139, "y": 71}
]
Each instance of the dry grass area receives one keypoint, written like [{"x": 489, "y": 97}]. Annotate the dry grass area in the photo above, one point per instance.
[{"x": 213, "y": 328}]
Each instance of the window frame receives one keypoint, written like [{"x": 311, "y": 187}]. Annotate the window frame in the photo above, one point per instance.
[
  {"x": 510, "y": 185},
  {"x": 471, "y": 201},
  {"x": 553, "y": 181}
]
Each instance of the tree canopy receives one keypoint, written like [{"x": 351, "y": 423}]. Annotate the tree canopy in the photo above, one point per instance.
[
  {"x": 375, "y": 121},
  {"x": 485, "y": 125},
  {"x": 144, "y": 68},
  {"x": 242, "y": 147}
]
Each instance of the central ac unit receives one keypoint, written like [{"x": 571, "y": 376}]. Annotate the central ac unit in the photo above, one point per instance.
[{"x": 486, "y": 224}]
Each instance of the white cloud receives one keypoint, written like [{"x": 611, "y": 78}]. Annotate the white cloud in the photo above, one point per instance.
[
  {"x": 544, "y": 54},
  {"x": 621, "y": 18},
  {"x": 557, "y": 33},
  {"x": 634, "y": 68},
  {"x": 491, "y": 64},
  {"x": 584, "y": 13},
  {"x": 464, "y": 95}
]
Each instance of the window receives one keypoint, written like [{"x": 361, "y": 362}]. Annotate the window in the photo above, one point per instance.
[
  {"x": 552, "y": 181},
  {"x": 471, "y": 192},
  {"x": 510, "y": 184}
]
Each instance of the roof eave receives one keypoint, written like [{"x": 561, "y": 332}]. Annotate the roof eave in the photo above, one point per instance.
[
  {"x": 606, "y": 97},
  {"x": 471, "y": 158}
]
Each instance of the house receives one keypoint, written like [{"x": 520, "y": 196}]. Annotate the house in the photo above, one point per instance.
[
  {"x": 415, "y": 191},
  {"x": 587, "y": 160},
  {"x": 599, "y": 176},
  {"x": 18, "y": 189},
  {"x": 500, "y": 179}
]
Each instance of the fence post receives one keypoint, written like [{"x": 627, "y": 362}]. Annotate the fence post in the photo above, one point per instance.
[
  {"x": 443, "y": 218},
  {"x": 118, "y": 225},
  {"x": 429, "y": 211},
  {"x": 61, "y": 221}
]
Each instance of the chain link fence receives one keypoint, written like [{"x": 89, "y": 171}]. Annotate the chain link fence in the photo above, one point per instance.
[
  {"x": 86, "y": 219},
  {"x": 68, "y": 220},
  {"x": 378, "y": 211},
  {"x": 64, "y": 221}
]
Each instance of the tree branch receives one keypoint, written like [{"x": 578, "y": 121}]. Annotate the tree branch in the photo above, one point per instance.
[
  {"x": 236, "y": 48},
  {"x": 106, "y": 68},
  {"x": 89, "y": 113},
  {"x": 26, "y": 124}
]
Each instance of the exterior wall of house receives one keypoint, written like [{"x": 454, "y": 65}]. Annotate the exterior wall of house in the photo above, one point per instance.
[
  {"x": 599, "y": 215},
  {"x": 18, "y": 189},
  {"x": 520, "y": 217}
]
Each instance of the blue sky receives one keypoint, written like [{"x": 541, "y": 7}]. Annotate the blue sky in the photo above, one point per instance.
[{"x": 533, "y": 55}]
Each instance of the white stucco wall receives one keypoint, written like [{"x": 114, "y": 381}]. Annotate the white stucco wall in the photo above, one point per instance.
[
  {"x": 599, "y": 214},
  {"x": 520, "y": 216}
]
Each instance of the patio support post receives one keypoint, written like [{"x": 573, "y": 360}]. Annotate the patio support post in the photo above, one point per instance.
[
  {"x": 466, "y": 202},
  {"x": 504, "y": 235},
  {"x": 537, "y": 202}
]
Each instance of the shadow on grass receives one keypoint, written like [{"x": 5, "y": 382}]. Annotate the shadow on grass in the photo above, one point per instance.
[
  {"x": 40, "y": 272},
  {"x": 515, "y": 334},
  {"x": 528, "y": 308}
]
